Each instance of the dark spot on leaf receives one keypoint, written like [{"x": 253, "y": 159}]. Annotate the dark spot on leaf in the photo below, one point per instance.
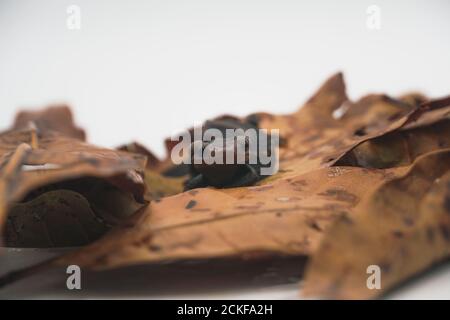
[
  {"x": 408, "y": 221},
  {"x": 300, "y": 183},
  {"x": 340, "y": 195},
  {"x": 385, "y": 267},
  {"x": 447, "y": 204},
  {"x": 430, "y": 234},
  {"x": 153, "y": 247},
  {"x": 360, "y": 132},
  {"x": 445, "y": 231},
  {"x": 191, "y": 204},
  {"x": 314, "y": 225},
  {"x": 92, "y": 161},
  {"x": 346, "y": 219},
  {"x": 397, "y": 234}
]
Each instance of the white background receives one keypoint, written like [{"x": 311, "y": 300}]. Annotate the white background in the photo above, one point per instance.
[
  {"x": 146, "y": 69},
  {"x": 142, "y": 70}
]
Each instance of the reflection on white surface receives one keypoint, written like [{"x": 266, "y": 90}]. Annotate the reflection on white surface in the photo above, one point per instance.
[
  {"x": 267, "y": 279},
  {"x": 430, "y": 285}
]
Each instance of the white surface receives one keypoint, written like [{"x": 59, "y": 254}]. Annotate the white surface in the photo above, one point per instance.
[
  {"x": 273, "y": 279},
  {"x": 146, "y": 69}
]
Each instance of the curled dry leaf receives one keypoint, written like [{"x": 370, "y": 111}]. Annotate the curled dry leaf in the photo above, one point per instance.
[
  {"x": 428, "y": 129},
  {"x": 403, "y": 227},
  {"x": 158, "y": 185},
  {"x": 38, "y": 159},
  {"x": 286, "y": 214},
  {"x": 135, "y": 147},
  {"x": 323, "y": 178},
  {"x": 287, "y": 217},
  {"x": 329, "y": 125},
  {"x": 53, "y": 118},
  {"x": 59, "y": 218}
]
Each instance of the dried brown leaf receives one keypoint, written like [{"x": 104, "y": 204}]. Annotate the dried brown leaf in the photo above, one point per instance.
[
  {"x": 53, "y": 118},
  {"x": 403, "y": 227},
  {"x": 31, "y": 159},
  {"x": 294, "y": 211},
  {"x": 287, "y": 217},
  {"x": 286, "y": 214},
  {"x": 59, "y": 218}
]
